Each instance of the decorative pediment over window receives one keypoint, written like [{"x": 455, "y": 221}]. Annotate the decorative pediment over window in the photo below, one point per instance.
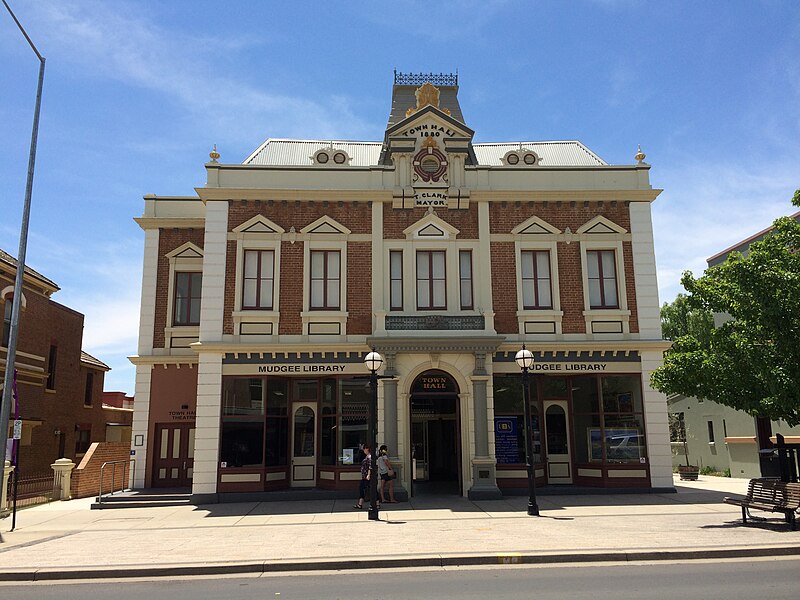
[
  {"x": 534, "y": 226},
  {"x": 187, "y": 250},
  {"x": 259, "y": 224},
  {"x": 326, "y": 225},
  {"x": 600, "y": 225},
  {"x": 430, "y": 227}
]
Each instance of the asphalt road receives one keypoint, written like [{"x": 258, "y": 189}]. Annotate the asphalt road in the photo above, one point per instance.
[{"x": 709, "y": 580}]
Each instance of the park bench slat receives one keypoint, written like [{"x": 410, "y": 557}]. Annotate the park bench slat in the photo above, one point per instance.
[{"x": 770, "y": 495}]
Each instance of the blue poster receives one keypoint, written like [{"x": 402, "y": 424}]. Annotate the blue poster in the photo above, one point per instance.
[{"x": 506, "y": 441}]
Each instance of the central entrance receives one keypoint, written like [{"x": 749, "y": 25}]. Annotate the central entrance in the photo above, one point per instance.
[{"x": 435, "y": 435}]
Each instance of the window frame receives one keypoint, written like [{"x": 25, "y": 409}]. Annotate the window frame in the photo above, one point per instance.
[
  {"x": 396, "y": 303},
  {"x": 52, "y": 365},
  {"x": 602, "y": 278},
  {"x": 326, "y": 279},
  {"x": 175, "y": 298},
  {"x": 258, "y": 305},
  {"x": 430, "y": 279},
  {"x": 88, "y": 394},
  {"x": 466, "y": 281},
  {"x": 533, "y": 253}
]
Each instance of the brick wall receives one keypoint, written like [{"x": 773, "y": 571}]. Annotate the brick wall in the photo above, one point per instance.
[
  {"x": 504, "y": 216},
  {"x": 395, "y": 221},
  {"x": 168, "y": 240},
  {"x": 86, "y": 476}
]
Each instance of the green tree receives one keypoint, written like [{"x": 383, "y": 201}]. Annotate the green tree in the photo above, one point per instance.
[
  {"x": 752, "y": 361},
  {"x": 680, "y": 318}
]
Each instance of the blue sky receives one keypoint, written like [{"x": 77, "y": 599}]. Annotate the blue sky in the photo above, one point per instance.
[{"x": 137, "y": 92}]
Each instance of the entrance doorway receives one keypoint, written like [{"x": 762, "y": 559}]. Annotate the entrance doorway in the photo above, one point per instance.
[
  {"x": 174, "y": 461},
  {"x": 435, "y": 435},
  {"x": 557, "y": 442},
  {"x": 304, "y": 444}
]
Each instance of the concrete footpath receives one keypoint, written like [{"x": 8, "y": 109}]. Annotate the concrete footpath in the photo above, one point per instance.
[{"x": 67, "y": 540}]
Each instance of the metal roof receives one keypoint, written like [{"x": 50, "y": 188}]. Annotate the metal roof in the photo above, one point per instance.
[
  {"x": 286, "y": 152},
  {"x": 282, "y": 152},
  {"x": 551, "y": 154}
]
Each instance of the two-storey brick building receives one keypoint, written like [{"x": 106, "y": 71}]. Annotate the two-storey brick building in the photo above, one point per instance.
[
  {"x": 263, "y": 292},
  {"x": 59, "y": 387}
]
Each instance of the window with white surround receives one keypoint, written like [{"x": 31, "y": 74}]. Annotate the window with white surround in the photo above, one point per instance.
[
  {"x": 431, "y": 280},
  {"x": 536, "y": 281},
  {"x": 188, "y": 287},
  {"x": 258, "y": 259},
  {"x": 602, "y": 278},
  {"x": 186, "y": 278},
  {"x": 465, "y": 279},
  {"x": 258, "y": 279},
  {"x": 396, "y": 280},
  {"x": 325, "y": 277},
  {"x": 325, "y": 284},
  {"x": 538, "y": 299},
  {"x": 603, "y": 267}
]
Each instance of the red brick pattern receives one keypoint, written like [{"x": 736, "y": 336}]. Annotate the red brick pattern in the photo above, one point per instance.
[
  {"x": 86, "y": 476},
  {"x": 396, "y": 220},
  {"x": 168, "y": 240}
]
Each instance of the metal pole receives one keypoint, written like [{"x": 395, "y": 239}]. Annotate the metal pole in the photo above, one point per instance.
[
  {"x": 533, "y": 507},
  {"x": 373, "y": 427},
  {"x": 5, "y": 406}
]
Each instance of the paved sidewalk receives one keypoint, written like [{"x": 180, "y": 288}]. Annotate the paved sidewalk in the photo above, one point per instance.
[{"x": 66, "y": 540}]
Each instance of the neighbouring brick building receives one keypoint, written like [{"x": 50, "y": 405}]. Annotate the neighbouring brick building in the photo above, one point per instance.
[
  {"x": 59, "y": 387},
  {"x": 263, "y": 292}
]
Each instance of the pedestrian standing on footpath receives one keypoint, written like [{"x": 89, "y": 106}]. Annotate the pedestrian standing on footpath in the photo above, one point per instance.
[
  {"x": 387, "y": 474},
  {"x": 366, "y": 475}
]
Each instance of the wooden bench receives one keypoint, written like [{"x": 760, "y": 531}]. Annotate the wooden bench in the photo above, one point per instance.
[{"x": 771, "y": 495}]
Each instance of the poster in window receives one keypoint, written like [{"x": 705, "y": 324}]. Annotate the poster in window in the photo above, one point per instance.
[
  {"x": 625, "y": 402},
  {"x": 347, "y": 456},
  {"x": 506, "y": 440}
]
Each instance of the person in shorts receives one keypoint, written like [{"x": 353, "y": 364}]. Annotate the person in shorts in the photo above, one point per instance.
[{"x": 387, "y": 475}]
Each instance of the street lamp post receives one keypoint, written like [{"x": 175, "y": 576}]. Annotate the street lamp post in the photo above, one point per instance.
[
  {"x": 524, "y": 359},
  {"x": 373, "y": 361},
  {"x": 5, "y": 405}
]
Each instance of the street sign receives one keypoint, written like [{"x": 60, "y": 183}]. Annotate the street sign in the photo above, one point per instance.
[{"x": 17, "y": 429}]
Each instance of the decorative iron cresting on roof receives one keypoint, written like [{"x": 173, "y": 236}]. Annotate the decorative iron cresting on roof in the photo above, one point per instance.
[{"x": 421, "y": 78}]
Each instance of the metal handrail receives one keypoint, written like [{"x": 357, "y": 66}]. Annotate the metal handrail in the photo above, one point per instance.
[{"x": 114, "y": 463}]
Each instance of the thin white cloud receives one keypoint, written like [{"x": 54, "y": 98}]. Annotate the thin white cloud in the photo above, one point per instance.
[
  {"x": 124, "y": 45},
  {"x": 707, "y": 208}
]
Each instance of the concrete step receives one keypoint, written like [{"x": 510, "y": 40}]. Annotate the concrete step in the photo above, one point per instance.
[{"x": 138, "y": 503}]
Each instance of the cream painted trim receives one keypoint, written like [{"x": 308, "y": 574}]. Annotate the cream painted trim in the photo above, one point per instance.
[
  {"x": 348, "y": 476},
  {"x": 241, "y": 230},
  {"x": 512, "y": 474},
  {"x": 521, "y": 244},
  {"x": 591, "y": 314},
  {"x": 170, "y": 222},
  {"x": 329, "y": 221},
  {"x": 534, "y": 220},
  {"x": 7, "y": 294},
  {"x": 590, "y": 473},
  {"x": 255, "y": 241},
  {"x": 639, "y": 473},
  {"x": 648, "y": 195},
  {"x": 308, "y": 315},
  {"x": 177, "y": 263},
  {"x": 290, "y": 195},
  {"x": 239, "y": 477},
  {"x": 603, "y": 221},
  {"x": 431, "y": 219}
]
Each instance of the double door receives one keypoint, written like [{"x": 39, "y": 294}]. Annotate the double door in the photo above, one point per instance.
[{"x": 174, "y": 460}]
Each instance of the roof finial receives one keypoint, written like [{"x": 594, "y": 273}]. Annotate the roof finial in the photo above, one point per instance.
[
  {"x": 214, "y": 154},
  {"x": 640, "y": 156}
]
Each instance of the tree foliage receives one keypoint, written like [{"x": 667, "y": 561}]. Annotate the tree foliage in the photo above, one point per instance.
[{"x": 752, "y": 361}]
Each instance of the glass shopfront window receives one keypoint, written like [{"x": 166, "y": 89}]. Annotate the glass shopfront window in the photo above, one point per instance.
[
  {"x": 509, "y": 420},
  {"x": 255, "y": 419},
  {"x": 606, "y": 417}
]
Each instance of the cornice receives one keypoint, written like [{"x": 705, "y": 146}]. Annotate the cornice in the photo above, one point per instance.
[
  {"x": 170, "y": 222},
  {"x": 566, "y": 195},
  {"x": 233, "y": 194}
]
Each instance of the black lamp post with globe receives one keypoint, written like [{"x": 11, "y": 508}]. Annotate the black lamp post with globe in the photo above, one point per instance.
[{"x": 524, "y": 360}]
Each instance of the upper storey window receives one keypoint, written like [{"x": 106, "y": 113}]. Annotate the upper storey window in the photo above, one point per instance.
[
  {"x": 602, "y": 278},
  {"x": 396, "y": 279},
  {"x": 431, "y": 280},
  {"x": 536, "y": 285},
  {"x": 258, "y": 279},
  {"x": 465, "y": 279},
  {"x": 188, "y": 287},
  {"x": 325, "y": 280}
]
